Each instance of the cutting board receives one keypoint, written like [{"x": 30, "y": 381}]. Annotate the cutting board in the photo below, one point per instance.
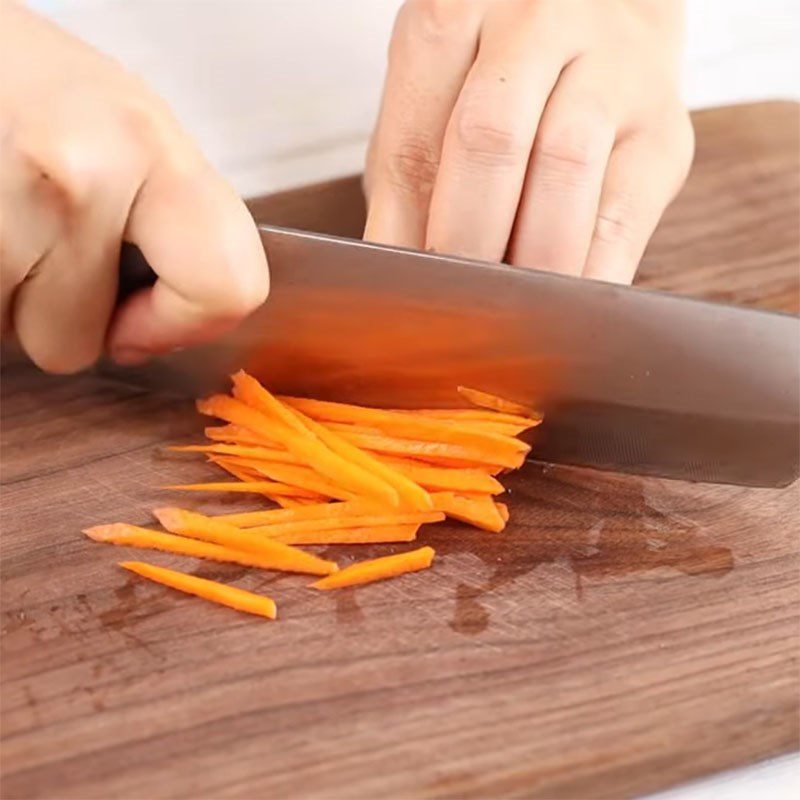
[{"x": 623, "y": 635}]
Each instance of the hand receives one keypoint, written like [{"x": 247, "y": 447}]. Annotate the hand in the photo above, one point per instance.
[
  {"x": 547, "y": 133},
  {"x": 89, "y": 157}
]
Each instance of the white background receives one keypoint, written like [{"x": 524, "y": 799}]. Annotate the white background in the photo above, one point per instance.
[{"x": 284, "y": 92}]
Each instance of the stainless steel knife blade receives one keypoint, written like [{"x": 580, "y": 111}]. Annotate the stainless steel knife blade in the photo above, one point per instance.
[{"x": 628, "y": 380}]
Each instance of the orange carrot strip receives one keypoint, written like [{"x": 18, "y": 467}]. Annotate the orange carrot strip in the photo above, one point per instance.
[
  {"x": 294, "y": 475},
  {"x": 133, "y": 536},
  {"x": 477, "y": 415},
  {"x": 438, "y": 451},
  {"x": 306, "y": 447},
  {"x": 444, "y": 479},
  {"x": 268, "y": 488},
  {"x": 409, "y": 492},
  {"x": 198, "y": 526},
  {"x": 380, "y": 535},
  {"x": 251, "y": 519},
  {"x": 495, "y": 403},
  {"x": 375, "y": 520},
  {"x": 250, "y": 391},
  {"x": 243, "y": 474},
  {"x": 377, "y": 569},
  {"x": 242, "y": 451},
  {"x": 478, "y": 510},
  {"x": 235, "y": 434},
  {"x": 209, "y": 590},
  {"x": 408, "y": 426},
  {"x": 502, "y": 509}
]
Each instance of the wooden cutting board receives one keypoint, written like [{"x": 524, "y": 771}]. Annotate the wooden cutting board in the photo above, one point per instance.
[{"x": 624, "y": 635}]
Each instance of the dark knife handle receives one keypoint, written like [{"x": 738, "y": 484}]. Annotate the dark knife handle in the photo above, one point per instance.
[{"x": 134, "y": 272}]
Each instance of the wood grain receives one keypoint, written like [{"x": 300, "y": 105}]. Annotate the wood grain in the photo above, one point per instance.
[{"x": 624, "y": 635}]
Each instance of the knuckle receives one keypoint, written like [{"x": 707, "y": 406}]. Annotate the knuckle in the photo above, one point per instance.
[
  {"x": 579, "y": 142},
  {"x": 615, "y": 222},
  {"x": 488, "y": 138},
  {"x": 435, "y": 23},
  {"x": 412, "y": 167}
]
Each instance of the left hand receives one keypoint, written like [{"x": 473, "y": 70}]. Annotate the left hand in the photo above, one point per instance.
[{"x": 546, "y": 133}]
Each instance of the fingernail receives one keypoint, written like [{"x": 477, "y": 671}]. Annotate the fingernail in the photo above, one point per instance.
[{"x": 129, "y": 356}]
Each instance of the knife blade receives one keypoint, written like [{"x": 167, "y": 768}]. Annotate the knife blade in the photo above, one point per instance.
[{"x": 629, "y": 380}]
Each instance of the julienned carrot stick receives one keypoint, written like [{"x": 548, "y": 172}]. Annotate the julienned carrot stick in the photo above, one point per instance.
[
  {"x": 133, "y": 536},
  {"x": 433, "y": 451},
  {"x": 240, "y": 451},
  {"x": 378, "y": 568},
  {"x": 252, "y": 519},
  {"x": 410, "y": 493},
  {"x": 446, "y": 479},
  {"x": 380, "y": 535},
  {"x": 478, "y": 510},
  {"x": 268, "y": 488},
  {"x": 235, "y": 434},
  {"x": 308, "y": 448},
  {"x": 495, "y": 403},
  {"x": 407, "y": 426},
  {"x": 198, "y": 526},
  {"x": 476, "y": 415},
  {"x": 375, "y": 520},
  {"x": 208, "y": 590},
  {"x": 502, "y": 509},
  {"x": 250, "y": 391},
  {"x": 237, "y": 471}
]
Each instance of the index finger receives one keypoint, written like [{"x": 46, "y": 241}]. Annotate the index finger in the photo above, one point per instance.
[{"x": 201, "y": 241}]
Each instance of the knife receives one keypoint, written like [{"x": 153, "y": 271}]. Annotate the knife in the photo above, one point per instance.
[{"x": 629, "y": 380}]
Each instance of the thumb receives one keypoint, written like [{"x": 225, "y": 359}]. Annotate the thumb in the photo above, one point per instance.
[{"x": 202, "y": 243}]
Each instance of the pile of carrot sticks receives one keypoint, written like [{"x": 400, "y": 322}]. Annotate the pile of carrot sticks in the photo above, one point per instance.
[{"x": 332, "y": 473}]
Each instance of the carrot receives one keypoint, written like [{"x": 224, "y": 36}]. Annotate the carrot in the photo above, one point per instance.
[
  {"x": 495, "y": 403},
  {"x": 502, "y": 509},
  {"x": 477, "y": 415},
  {"x": 405, "y": 426},
  {"x": 120, "y": 533},
  {"x": 444, "y": 479},
  {"x": 268, "y": 488},
  {"x": 409, "y": 492},
  {"x": 208, "y": 590},
  {"x": 198, "y": 526},
  {"x": 378, "y": 568},
  {"x": 478, "y": 510},
  {"x": 380, "y": 535},
  {"x": 308, "y": 448},
  {"x": 241, "y": 451},
  {"x": 239, "y": 472},
  {"x": 438, "y": 452},
  {"x": 375, "y": 520},
  {"x": 235, "y": 434},
  {"x": 294, "y": 475},
  {"x": 251, "y": 519}
]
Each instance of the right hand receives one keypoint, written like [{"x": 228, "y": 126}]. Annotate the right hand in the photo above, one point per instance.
[{"x": 89, "y": 158}]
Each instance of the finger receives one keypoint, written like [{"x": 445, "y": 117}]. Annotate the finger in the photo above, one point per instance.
[
  {"x": 432, "y": 49},
  {"x": 644, "y": 174},
  {"x": 83, "y": 173},
  {"x": 490, "y": 134},
  {"x": 201, "y": 241},
  {"x": 555, "y": 220}
]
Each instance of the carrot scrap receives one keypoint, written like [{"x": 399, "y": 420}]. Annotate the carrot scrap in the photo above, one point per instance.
[
  {"x": 382, "y": 534},
  {"x": 251, "y": 519},
  {"x": 478, "y": 415},
  {"x": 268, "y": 488},
  {"x": 276, "y": 530},
  {"x": 478, "y": 510},
  {"x": 378, "y": 569},
  {"x": 208, "y": 590},
  {"x": 308, "y": 448},
  {"x": 502, "y": 509},
  {"x": 405, "y": 426},
  {"x": 122, "y": 534},
  {"x": 495, "y": 403},
  {"x": 198, "y": 526},
  {"x": 240, "y": 451}
]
